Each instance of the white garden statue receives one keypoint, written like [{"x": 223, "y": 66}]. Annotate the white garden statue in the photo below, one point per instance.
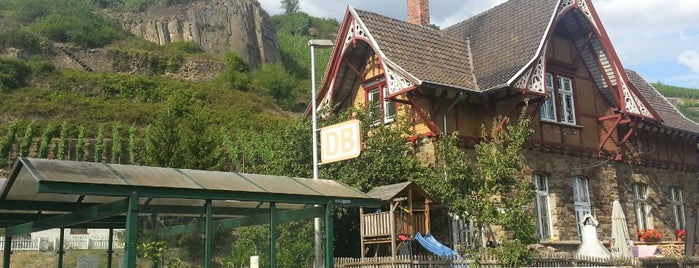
[{"x": 591, "y": 246}]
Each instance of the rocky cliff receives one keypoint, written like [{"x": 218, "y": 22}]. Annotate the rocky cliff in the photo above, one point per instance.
[{"x": 218, "y": 26}]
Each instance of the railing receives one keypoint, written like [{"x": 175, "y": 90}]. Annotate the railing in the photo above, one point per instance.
[
  {"x": 401, "y": 261},
  {"x": 46, "y": 244},
  {"x": 544, "y": 260},
  {"x": 377, "y": 224}
]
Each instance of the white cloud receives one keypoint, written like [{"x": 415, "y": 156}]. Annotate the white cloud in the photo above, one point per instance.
[{"x": 691, "y": 59}]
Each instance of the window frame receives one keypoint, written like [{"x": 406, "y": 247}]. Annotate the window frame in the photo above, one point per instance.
[
  {"x": 582, "y": 203},
  {"x": 559, "y": 106},
  {"x": 387, "y": 110},
  {"x": 640, "y": 200},
  {"x": 543, "y": 216},
  {"x": 677, "y": 207},
  {"x": 547, "y": 111},
  {"x": 567, "y": 99}
]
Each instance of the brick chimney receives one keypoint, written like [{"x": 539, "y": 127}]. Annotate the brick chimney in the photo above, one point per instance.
[{"x": 419, "y": 12}]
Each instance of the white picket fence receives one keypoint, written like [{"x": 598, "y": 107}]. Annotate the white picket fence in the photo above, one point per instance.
[{"x": 48, "y": 244}]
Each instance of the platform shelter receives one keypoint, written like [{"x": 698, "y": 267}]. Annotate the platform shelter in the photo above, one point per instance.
[{"x": 42, "y": 194}]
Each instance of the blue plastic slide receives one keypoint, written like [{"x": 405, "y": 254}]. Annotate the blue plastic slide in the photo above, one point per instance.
[{"x": 431, "y": 244}]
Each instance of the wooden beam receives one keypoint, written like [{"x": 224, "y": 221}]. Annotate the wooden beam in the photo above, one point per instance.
[{"x": 421, "y": 113}]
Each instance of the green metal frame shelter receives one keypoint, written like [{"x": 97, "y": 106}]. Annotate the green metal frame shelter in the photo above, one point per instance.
[{"x": 42, "y": 194}]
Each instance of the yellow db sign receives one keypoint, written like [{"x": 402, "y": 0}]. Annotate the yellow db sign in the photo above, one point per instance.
[{"x": 340, "y": 141}]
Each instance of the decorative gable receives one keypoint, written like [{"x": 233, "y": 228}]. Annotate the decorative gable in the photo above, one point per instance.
[{"x": 599, "y": 57}]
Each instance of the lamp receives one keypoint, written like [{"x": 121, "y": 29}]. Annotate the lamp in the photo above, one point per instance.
[{"x": 319, "y": 43}]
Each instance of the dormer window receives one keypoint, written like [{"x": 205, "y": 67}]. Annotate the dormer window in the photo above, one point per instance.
[
  {"x": 381, "y": 110},
  {"x": 558, "y": 89}
]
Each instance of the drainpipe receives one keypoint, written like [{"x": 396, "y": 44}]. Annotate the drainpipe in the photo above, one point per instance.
[{"x": 444, "y": 116}]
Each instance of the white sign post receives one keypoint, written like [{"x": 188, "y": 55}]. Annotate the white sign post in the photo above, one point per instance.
[{"x": 340, "y": 141}]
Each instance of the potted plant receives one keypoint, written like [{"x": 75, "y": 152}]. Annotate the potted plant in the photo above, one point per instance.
[
  {"x": 649, "y": 235},
  {"x": 680, "y": 234}
]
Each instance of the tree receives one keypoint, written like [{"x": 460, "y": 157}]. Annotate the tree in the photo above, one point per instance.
[
  {"x": 46, "y": 141},
  {"x": 6, "y": 144},
  {"x": 290, "y": 6},
  {"x": 180, "y": 138},
  {"x": 499, "y": 194}
]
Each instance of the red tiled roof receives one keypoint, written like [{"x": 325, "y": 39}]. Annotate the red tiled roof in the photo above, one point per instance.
[{"x": 423, "y": 52}]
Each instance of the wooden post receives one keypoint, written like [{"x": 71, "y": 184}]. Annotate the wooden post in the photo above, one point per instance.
[
  {"x": 427, "y": 216},
  {"x": 392, "y": 226},
  {"x": 361, "y": 232},
  {"x": 411, "y": 221}
]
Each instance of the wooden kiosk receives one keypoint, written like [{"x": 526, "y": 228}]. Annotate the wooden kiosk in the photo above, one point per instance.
[{"x": 405, "y": 210}]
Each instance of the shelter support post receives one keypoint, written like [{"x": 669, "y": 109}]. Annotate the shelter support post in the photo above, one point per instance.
[
  {"x": 110, "y": 247},
  {"x": 131, "y": 231},
  {"x": 209, "y": 235},
  {"x": 7, "y": 251},
  {"x": 273, "y": 235},
  {"x": 61, "y": 246},
  {"x": 329, "y": 236}
]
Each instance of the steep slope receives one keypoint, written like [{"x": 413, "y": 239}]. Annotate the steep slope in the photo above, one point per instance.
[{"x": 217, "y": 26}]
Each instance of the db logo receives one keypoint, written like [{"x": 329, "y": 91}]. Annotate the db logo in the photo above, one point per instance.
[{"x": 340, "y": 141}]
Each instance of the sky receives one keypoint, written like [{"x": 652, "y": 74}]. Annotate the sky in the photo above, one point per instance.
[{"x": 657, "y": 38}]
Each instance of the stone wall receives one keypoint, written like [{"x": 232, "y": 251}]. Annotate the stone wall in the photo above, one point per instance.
[
  {"x": 104, "y": 60},
  {"x": 608, "y": 181}
]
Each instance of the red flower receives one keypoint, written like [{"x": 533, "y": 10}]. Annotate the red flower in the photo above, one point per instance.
[
  {"x": 649, "y": 235},
  {"x": 680, "y": 233}
]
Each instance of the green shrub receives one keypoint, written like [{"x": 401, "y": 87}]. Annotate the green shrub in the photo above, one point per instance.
[
  {"x": 22, "y": 38},
  {"x": 296, "y": 23},
  {"x": 27, "y": 11},
  {"x": 13, "y": 74},
  {"x": 278, "y": 83},
  {"x": 80, "y": 27},
  {"x": 513, "y": 253},
  {"x": 186, "y": 47},
  {"x": 236, "y": 74}
]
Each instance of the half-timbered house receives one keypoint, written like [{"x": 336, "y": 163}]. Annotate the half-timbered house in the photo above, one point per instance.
[{"x": 601, "y": 132}]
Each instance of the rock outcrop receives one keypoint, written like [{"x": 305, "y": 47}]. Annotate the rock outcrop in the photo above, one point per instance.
[{"x": 218, "y": 26}]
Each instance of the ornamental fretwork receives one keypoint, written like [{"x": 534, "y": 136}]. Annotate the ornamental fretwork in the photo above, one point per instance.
[
  {"x": 565, "y": 3},
  {"x": 581, "y": 5},
  {"x": 586, "y": 10},
  {"x": 522, "y": 82},
  {"x": 633, "y": 103},
  {"x": 537, "y": 81},
  {"x": 355, "y": 30},
  {"x": 396, "y": 82}
]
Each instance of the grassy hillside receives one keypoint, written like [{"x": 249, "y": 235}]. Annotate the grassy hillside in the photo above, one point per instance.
[
  {"x": 688, "y": 99},
  {"x": 145, "y": 119}
]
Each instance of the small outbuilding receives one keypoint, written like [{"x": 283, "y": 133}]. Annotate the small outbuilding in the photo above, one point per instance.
[{"x": 404, "y": 212}]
